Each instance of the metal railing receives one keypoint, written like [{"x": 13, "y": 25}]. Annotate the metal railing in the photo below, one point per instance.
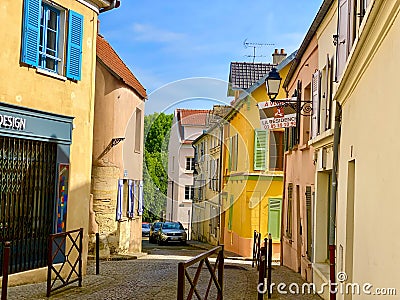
[
  {"x": 256, "y": 249},
  {"x": 64, "y": 248},
  {"x": 202, "y": 259},
  {"x": 265, "y": 269}
]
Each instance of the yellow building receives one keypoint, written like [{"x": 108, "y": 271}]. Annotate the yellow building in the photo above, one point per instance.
[
  {"x": 253, "y": 167},
  {"x": 46, "y": 124}
]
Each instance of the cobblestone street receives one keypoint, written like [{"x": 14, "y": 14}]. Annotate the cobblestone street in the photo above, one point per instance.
[{"x": 154, "y": 276}]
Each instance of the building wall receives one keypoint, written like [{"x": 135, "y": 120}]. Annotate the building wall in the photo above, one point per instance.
[
  {"x": 23, "y": 86},
  {"x": 115, "y": 117},
  {"x": 300, "y": 171},
  {"x": 367, "y": 208}
]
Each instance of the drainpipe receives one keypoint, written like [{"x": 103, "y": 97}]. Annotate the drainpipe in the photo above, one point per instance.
[
  {"x": 114, "y": 4},
  {"x": 332, "y": 213}
]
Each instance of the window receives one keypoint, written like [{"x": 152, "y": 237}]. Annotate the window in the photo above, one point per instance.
[
  {"x": 189, "y": 163},
  {"x": 138, "y": 130},
  {"x": 274, "y": 218},
  {"x": 276, "y": 150},
  {"x": 233, "y": 152},
  {"x": 43, "y": 36},
  {"x": 189, "y": 192},
  {"x": 260, "y": 149},
  {"x": 289, "y": 217}
]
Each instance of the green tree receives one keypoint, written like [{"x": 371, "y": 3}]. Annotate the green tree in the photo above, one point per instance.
[{"x": 157, "y": 129}]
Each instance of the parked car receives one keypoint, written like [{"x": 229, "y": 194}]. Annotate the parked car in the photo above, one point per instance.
[
  {"x": 145, "y": 229},
  {"x": 154, "y": 232},
  {"x": 172, "y": 232}
]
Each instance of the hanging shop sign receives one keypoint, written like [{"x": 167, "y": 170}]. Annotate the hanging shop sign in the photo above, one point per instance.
[{"x": 284, "y": 121}]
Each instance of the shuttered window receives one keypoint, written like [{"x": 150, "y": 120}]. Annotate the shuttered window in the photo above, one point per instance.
[
  {"x": 260, "y": 149},
  {"x": 43, "y": 35},
  {"x": 309, "y": 221},
  {"x": 274, "y": 218},
  {"x": 289, "y": 216},
  {"x": 343, "y": 37},
  {"x": 316, "y": 98},
  {"x": 230, "y": 213}
]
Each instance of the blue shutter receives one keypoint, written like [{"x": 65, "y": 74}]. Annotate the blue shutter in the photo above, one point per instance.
[
  {"x": 30, "y": 34},
  {"x": 74, "y": 47},
  {"x": 119, "y": 199},
  {"x": 140, "y": 205}
]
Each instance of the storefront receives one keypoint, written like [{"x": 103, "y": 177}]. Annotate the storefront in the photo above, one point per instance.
[{"x": 34, "y": 166}]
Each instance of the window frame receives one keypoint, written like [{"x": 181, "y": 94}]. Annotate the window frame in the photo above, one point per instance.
[{"x": 189, "y": 190}]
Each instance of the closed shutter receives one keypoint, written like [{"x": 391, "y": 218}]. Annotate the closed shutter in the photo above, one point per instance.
[
  {"x": 309, "y": 221},
  {"x": 119, "y": 199},
  {"x": 289, "y": 221},
  {"x": 230, "y": 154},
  {"x": 74, "y": 48},
  {"x": 274, "y": 218},
  {"x": 140, "y": 200},
  {"x": 343, "y": 37},
  {"x": 230, "y": 213},
  {"x": 131, "y": 199},
  {"x": 31, "y": 32},
  {"x": 260, "y": 149},
  {"x": 315, "y": 103}
]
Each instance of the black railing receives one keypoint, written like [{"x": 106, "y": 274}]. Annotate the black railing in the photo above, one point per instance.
[
  {"x": 64, "y": 259},
  {"x": 256, "y": 249},
  {"x": 265, "y": 269},
  {"x": 202, "y": 259}
]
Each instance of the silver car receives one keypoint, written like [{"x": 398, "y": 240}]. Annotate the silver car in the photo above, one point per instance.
[{"x": 172, "y": 232}]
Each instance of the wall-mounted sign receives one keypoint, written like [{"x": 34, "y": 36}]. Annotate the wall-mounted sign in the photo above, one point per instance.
[
  {"x": 284, "y": 121},
  {"x": 11, "y": 122}
]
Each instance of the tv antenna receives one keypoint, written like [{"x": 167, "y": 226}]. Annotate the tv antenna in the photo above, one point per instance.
[{"x": 247, "y": 44}]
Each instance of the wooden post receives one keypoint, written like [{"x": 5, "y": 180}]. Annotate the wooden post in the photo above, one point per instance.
[
  {"x": 181, "y": 280},
  {"x": 97, "y": 253},
  {"x": 221, "y": 272},
  {"x": 269, "y": 265}
]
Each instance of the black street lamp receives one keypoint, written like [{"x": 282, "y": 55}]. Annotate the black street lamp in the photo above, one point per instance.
[{"x": 273, "y": 82}]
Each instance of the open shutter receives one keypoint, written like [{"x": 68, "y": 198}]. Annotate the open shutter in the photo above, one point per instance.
[
  {"x": 140, "y": 204},
  {"x": 315, "y": 104},
  {"x": 119, "y": 199},
  {"x": 230, "y": 154},
  {"x": 31, "y": 32},
  {"x": 230, "y": 213},
  {"x": 274, "y": 218},
  {"x": 309, "y": 221},
  {"x": 260, "y": 149},
  {"x": 74, "y": 47},
  {"x": 343, "y": 37}
]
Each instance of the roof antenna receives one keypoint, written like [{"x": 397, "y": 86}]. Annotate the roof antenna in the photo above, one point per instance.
[{"x": 247, "y": 44}]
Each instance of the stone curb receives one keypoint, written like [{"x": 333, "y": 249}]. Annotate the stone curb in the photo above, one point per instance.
[{"x": 119, "y": 257}]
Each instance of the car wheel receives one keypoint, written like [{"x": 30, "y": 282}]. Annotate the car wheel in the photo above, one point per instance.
[
  {"x": 159, "y": 242},
  {"x": 183, "y": 243}
]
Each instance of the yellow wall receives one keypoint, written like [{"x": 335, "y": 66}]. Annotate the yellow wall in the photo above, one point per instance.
[{"x": 23, "y": 86}]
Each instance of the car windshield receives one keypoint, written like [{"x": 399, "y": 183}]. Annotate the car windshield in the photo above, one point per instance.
[
  {"x": 157, "y": 225},
  {"x": 172, "y": 226}
]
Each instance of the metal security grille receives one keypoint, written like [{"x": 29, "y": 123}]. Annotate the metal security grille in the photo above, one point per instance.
[{"x": 27, "y": 184}]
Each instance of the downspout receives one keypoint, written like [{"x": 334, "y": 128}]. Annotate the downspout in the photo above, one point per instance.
[
  {"x": 332, "y": 212},
  {"x": 114, "y": 4}
]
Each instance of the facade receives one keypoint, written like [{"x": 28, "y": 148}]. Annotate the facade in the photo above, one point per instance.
[
  {"x": 117, "y": 187},
  {"x": 187, "y": 125},
  {"x": 207, "y": 182},
  {"x": 252, "y": 170},
  {"x": 367, "y": 204},
  {"x": 46, "y": 108},
  {"x": 306, "y": 83}
]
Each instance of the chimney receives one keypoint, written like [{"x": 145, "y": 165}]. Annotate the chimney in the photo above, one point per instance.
[{"x": 277, "y": 56}]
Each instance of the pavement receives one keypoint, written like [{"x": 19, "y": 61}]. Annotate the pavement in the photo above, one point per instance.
[{"x": 154, "y": 276}]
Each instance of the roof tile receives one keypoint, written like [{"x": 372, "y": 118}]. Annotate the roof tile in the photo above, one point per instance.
[{"x": 243, "y": 74}]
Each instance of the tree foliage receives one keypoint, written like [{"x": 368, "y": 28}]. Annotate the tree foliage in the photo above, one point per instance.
[{"x": 157, "y": 128}]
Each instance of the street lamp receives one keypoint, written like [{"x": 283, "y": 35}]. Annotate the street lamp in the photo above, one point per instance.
[{"x": 273, "y": 82}]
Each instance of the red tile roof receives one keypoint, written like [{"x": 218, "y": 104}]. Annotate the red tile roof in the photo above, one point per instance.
[
  {"x": 112, "y": 61},
  {"x": 193, "y": 116}
]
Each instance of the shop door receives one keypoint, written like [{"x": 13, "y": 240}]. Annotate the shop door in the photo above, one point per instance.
[{"x": 27, "y": 193}]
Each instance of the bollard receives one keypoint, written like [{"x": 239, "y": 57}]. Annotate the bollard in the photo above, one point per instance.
[
  {"x": 269, "y": 280},
  {"x": 6, "y": 263},
  {"x": 97, "y": 253}
]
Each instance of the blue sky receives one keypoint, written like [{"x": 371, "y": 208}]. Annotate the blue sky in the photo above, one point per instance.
[{"x": 181, "y": 50}]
